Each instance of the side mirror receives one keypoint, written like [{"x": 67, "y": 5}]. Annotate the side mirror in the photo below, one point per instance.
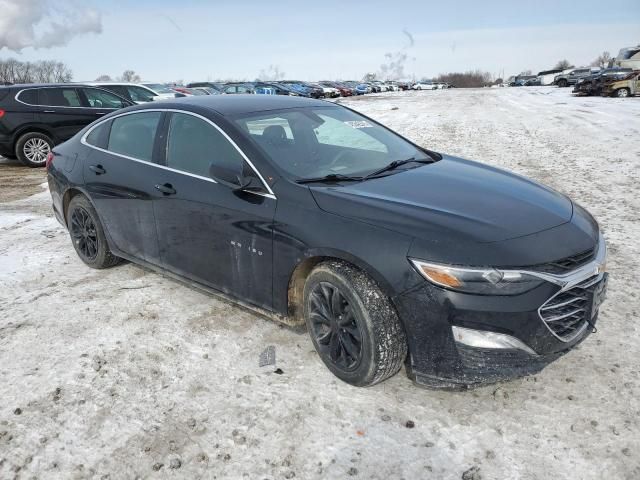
[{"x": 232, "y": 178}]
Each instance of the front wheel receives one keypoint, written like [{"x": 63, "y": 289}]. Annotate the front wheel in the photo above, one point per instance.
[
  {"x": 88, "y": 235},
  {"x": 32, "y": 149},
  {"x": 622, "y": 92},
  {"x": 563, "y": 83},
  {"x": 354, "y": 327}
]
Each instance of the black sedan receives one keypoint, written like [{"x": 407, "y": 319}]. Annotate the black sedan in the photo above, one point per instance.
[{"x": 309, "y": 212}]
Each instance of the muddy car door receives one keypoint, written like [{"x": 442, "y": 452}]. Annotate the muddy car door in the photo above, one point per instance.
[{"x": 207, "y": 231}]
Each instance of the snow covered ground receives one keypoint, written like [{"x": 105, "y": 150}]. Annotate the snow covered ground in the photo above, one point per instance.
[{"x": 123, "y": 373}]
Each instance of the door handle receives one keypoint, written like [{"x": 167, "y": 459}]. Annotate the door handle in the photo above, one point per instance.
[
  {"x": 97, "y": 169},
  {"x": 166, "y": 189},
  {"x": 101, "y": 113},
  {"x": 48, "y": 111}
]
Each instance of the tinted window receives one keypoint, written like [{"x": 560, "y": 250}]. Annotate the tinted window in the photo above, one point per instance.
[
  {"x": 59, "y": 97},
  {"x": 139, "y": 94},
  {"x": 98, "y": 136},
  {"x": 29, "y": 96},
  {"x": 193, "y": 145},
  {"x": 134, "y": 135},
  {"x": 119, "y": 89},
  {"x": 102, "y": 99}
]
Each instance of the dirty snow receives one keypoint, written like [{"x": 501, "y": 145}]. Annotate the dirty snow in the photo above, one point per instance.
[{"x": 123, "y": 373}]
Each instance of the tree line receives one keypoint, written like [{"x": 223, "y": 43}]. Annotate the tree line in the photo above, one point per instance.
[{"x": 41, "y": 71}]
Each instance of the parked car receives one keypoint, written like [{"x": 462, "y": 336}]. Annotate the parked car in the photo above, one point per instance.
[
  {"x": 628, "y": 58},
  {"x": 423, "y": 85},
  {"x": 131, "y": 91},
  {"x": 571, "y": 76},
  {"x": 594, "y": 84},
  {"x": 342, "y": 89},
  {"x": 303, "y": 88},
  {"x": 625, "y": 87},
  {"x": 207, "y": 90},
  {"x": 267, "y": 88},
  {"x": 328, "y": 92},
  {"x": 238, "y": 87},
  {"x": 189, "y": 92},
  {"x": 469, "y": 274},
  {"x": 214, "y": 85},
  {"x": 163, "y": 91},
  {"x": 35, "y": 117}
]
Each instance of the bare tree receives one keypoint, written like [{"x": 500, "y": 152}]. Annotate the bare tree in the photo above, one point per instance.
[
  {"x": 103, "y": 78},
  {"x": 563, "y": 65},
  {"x": 129, "y": 76},
  {"x": 369, "y": 77},
  {"x": 603, "y": 60},
  {"x": 271, "y": 73},
  {"x": 41, "y": 71}
]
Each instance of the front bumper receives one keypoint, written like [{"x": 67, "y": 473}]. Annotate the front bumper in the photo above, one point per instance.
[{"x": 436, "y": 359}]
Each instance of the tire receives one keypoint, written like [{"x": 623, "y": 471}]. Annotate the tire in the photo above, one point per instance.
[
  {"x": 32, "y": 149},
  {"x": 87, "y": 234},
  {"x": 622, "y": 93},
  {"x": 353, "y": 326},
  {"x": 563, "y": 83}
]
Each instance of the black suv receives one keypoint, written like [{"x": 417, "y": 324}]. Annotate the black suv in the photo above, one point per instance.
[{"x": 35, "y": 117}]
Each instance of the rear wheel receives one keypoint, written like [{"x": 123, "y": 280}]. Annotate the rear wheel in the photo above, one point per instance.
[
  {"x": 32, "y": 149},
  {"x": 562, "y": 83},
  {"x": 87, "y": 234},
  {"x": 353, "y": 325},
  {"x": 622, "y": 92}
]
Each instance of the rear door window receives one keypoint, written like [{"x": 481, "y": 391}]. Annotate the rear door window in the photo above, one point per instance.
[
  {"x": 139, "y": 94},
  {"x": 59, "y": 97},
  {"x": 134, "y": 135}
]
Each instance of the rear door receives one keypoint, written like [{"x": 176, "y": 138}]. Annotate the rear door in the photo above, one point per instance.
[
  {"x": 62, "y": 110},
  {"x": 120, "y": 173}
]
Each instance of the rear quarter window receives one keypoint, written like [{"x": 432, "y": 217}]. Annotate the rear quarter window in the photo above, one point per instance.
[
  {"x": 99, "y": 136},
  {"x": 29, "y": 96}
]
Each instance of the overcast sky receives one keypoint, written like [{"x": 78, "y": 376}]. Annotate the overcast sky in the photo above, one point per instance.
[{"x": 198, "y": 39}]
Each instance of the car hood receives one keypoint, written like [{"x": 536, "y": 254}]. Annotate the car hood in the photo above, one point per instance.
[{"x": 452, "y": 200}]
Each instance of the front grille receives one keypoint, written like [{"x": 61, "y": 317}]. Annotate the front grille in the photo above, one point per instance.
[
  {"x": 566, "y": 264},
  {"x": 566, "y": 313}
]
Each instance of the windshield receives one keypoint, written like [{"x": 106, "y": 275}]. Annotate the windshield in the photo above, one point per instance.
[
  {"x": 314, "y": 142},
  {"x": 156, "y": 87}
]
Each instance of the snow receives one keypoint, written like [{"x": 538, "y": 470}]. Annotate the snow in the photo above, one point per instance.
[{"x": 122, "y": 372}]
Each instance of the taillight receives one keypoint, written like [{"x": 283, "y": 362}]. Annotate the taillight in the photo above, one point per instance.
[
  {"x": 1, "y": 113},
  {"x": 49, "y": 160}
]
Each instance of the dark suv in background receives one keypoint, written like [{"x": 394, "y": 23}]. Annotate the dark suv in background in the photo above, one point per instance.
[{"x": 35, "y": 117}]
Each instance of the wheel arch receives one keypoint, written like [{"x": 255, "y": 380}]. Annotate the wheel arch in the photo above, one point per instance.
[
  {"x": 32, "y": 128},
  {"x": 311, "y": 259}
]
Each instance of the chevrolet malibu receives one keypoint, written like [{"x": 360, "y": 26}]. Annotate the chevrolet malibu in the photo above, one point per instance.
[{"x": 311, "y": 213}]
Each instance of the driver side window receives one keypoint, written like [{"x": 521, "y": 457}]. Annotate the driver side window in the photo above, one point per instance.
[
  {"x": 102, "y": 99},
  {"x": 194, "y": 144}
]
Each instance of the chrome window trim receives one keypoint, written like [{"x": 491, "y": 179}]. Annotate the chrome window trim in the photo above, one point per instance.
[
  {"x": 83, "y": 141},
  {"x": 62, "y": 106}
]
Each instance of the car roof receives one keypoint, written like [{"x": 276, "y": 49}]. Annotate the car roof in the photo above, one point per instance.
[
  {"x": 39, "y": 85},
  {"x": 244, "y": 103}
]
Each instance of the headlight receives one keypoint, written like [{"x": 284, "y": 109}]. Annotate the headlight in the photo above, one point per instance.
[{"x": 483, "y": 281}]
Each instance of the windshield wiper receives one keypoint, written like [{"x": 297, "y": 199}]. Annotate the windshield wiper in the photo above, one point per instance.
[
  {"x": 395, "y": 164},
  {"x": 332, "y": 177}
]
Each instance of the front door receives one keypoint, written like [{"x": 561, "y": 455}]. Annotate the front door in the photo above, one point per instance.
[{"x": 206, "y": 231}]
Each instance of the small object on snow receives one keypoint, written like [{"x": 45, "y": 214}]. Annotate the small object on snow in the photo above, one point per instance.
[
  {"x": 268, "y": 356},
  {"x": 18, "y": 411},
  {"x": 410, "y": 424},
  {"x": 191, "y": 423},
  {"x": 353, "y": 471},
  {"x": 394, "y": 108},
  {"x": 157, "y": 466},
  {"x": 472, "y": 474},
  {"x": 278, "y": 371},
  {"x": 175, "y": 463},
  {"x": 385, "y": 417}
]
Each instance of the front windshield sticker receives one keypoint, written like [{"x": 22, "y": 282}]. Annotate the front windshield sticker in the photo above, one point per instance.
[{"x": 359, "y": 124}]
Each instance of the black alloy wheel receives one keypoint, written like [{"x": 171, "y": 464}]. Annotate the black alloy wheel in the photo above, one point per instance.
[
  {"x": 334, "y": 327},
  {"x": 84, "y": 234}
]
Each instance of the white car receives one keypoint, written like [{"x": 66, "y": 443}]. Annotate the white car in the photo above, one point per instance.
[
  {"x": 162, "y": 91},
  {"x": 423, "y": 86}
]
